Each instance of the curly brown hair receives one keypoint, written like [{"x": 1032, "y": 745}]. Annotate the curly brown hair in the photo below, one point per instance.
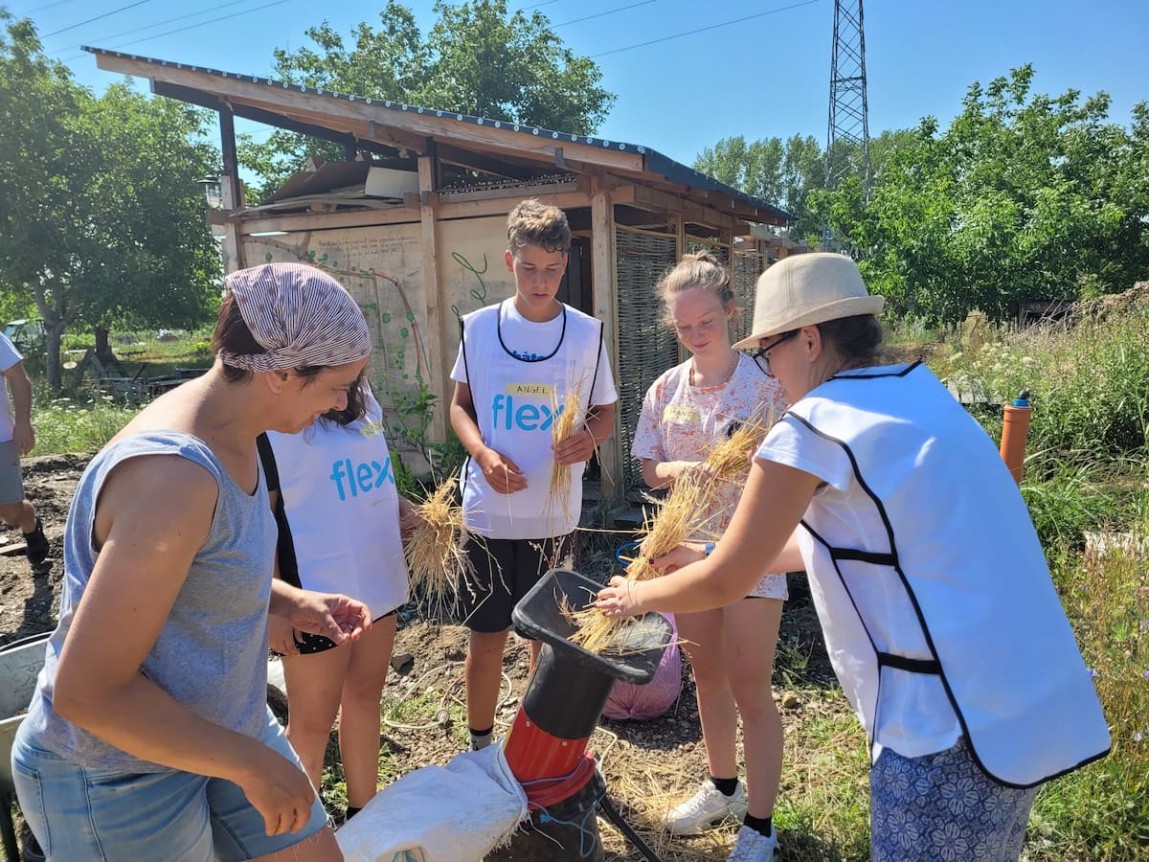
[{"x": 535, "y": 223}]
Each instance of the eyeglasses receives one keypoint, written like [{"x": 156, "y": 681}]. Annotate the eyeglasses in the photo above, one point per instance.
[{"x": 762, "y": 354}]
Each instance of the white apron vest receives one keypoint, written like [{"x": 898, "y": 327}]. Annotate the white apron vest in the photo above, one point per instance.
[
  {"x": 958, "y": 566},
  {"x": 342, "y": 509},
  {"x": 516, "y": 402}
]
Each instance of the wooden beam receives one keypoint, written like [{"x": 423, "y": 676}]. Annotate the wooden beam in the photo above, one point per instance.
[
  {"x": 336, "y": 112},
  {"x": 605, "y": 305},
  {"x": 433, "y": 294},
  {"x": 269, "y": 118},
  {"x": 303, "y": 221},
  {"x": 518, "y": 192},
  {"x": 500, "y": 205},
  {"x": 231, "y": 189},
  {"x": 661, "y": 201},
  {"x": 487, "y": 164},
  {"x": 678, "y": 225}
]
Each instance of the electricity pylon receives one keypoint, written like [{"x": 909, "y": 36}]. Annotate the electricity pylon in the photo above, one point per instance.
[{"x": 848, "y": 133}]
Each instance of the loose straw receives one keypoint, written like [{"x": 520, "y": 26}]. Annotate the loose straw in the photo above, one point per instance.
[
  {"x": 562, "y": 425},
  {"x": 435, "y": 556},
  {"x": 689, "y": 511}
]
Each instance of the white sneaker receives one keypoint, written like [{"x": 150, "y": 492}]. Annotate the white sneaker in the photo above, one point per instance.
[
  {"x": 704, "y": 809},
  {"x": 753, "y": 846}
]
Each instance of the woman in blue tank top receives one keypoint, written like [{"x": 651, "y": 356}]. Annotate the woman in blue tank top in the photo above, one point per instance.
[{"x": 149, "y": 736}]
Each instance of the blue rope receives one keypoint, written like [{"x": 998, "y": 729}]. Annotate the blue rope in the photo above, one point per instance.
[
  {"x": 625, "y": 550},
  {"x": 585, "y": 835}
]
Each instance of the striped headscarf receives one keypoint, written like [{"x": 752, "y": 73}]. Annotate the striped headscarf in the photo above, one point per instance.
[{"x": 300, "y": 315}]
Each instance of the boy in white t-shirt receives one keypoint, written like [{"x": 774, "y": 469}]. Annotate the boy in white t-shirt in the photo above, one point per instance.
[
  {"x": 520, "y": 363},
  {"x": 16, "y": 439}
]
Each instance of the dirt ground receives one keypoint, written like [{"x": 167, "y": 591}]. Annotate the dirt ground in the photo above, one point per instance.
[{"x": 649, "y": 766}]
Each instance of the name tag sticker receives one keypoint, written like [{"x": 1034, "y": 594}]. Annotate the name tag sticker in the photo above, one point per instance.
[
  {"x": 681, "y": 415},
  {"x": 537, "y": 390}
]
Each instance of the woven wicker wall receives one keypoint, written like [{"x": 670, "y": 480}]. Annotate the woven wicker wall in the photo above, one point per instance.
[
  {"x": 647, "y": 346},
  {"x": 745, "y": 270}
]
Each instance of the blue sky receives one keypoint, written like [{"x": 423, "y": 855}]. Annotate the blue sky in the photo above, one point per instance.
[{"x": 765, "y": 76}]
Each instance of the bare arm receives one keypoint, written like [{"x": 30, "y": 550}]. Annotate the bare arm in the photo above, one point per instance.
[
  {"x": 762, "y": 530},
  {"x": 148, "y": 538},
  {"x": 501, "y": 473},
  {"x": 21, "y": 388},
  {"x": 660, "y": 474}
]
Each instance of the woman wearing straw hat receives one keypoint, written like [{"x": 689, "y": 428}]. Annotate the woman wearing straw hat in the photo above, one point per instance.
[
  {"x": 686, "y": 413},
  {"x": 149, "y": 735},
  {"x": 935, "y": 599}
]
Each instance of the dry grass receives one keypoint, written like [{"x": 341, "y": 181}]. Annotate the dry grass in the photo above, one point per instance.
[
  {"x": 435, "y": 556},
  {"x": 690, "y": 511},
  {"x": 561, "y": 429}
]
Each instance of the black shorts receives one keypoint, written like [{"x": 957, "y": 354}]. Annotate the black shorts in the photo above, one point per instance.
[
  {"x": 307, "y": 643},
  {"x": 503, "y": 571}
]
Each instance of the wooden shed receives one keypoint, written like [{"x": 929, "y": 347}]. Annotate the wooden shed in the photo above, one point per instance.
[{"x": 413, "y": 223}]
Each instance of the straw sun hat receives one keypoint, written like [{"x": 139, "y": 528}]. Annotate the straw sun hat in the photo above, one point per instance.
[{"x": 806, "y": 289}]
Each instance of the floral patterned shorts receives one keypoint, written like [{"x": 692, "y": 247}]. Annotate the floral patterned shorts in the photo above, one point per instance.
[{"x": 944, "y": 807}]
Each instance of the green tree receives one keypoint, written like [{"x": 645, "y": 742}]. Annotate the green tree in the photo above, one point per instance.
[
  {"x": 1024, "y": 196},
  {"x": 476, "y": 59},
  {"x": 100, "y": 219}
]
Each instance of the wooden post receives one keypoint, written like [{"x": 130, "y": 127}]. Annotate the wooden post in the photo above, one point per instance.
[
  {"x": 438, "y": 359},
  {"x": 677, "y": 225},
  {"x": 231, "y": 191},
  {"x": 602, "y": 262}
]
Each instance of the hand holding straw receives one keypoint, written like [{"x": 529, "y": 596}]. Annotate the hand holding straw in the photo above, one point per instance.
[
  {"x": 434, "y": 549},
  {"x": 688, "y": 512}
]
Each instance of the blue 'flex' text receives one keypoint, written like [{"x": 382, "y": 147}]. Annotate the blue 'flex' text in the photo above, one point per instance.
[
  {"x": 527, "y": 417},
  {"x": 360, "y": 478}
]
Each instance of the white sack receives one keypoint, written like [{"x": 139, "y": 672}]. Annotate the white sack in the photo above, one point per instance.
[{"x": 453, "y": 813}]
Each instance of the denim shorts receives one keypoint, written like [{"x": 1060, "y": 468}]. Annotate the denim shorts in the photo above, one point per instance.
[{"x": 102, "y": 815}]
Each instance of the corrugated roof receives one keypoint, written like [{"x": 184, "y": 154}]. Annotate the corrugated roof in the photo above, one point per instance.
[{"x": 654, "y": 161}]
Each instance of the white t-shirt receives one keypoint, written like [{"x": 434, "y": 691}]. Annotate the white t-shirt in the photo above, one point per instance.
[
  {"x": 9, "y": 356},
  {"x": 339, "y": 494},
  {"x": 680, "y": 422},
  {"x": 915, "y": 717},
  {"x": 518, "y": 371}
]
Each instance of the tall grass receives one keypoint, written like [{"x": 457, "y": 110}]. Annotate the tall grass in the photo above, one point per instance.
[
  {"x": 1087, "y": 470},
  {"x": 82, "y": 423},
  {"x": 1102, "y": 811},
  {"x": 1088, "y": 382}
]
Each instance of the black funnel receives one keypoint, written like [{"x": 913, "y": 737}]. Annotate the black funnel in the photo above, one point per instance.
[{"x": 634, "y": 653}]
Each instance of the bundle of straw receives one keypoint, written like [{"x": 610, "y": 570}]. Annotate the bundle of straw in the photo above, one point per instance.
[
  {"x": 561, "y": 429},
  {"x": 689, "y": 511},
  {"x": 435, "y": 556}
]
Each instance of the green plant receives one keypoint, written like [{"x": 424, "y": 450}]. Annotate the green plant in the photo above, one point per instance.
[
  {"x": 1102, "y": 811},
  {"x": 80, "y": 424}
]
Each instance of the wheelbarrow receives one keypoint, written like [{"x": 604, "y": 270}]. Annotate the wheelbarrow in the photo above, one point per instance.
[{"x": 20, "y": 664}]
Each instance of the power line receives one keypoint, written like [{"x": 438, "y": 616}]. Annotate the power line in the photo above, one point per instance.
[
  {"x": 193, "y": 26},
  {"x": 98, "y": 17},
  {"x": 46, "y": 6},
  {"x": 704, "y": 29},
  {"x": 528, "y": 8},
  {"x": 603, "y": 14},
  {"x": 158, "y": 23}
]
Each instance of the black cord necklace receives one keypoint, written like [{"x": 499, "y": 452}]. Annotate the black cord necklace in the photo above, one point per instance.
[{"x": 503, "y": 344}]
